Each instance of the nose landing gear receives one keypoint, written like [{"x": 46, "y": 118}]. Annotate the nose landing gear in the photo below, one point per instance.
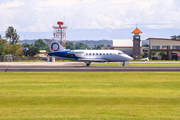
[{"x": 124, "y": 63}]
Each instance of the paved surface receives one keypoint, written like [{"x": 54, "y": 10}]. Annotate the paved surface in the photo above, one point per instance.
[{"x": 78, "y": 67}]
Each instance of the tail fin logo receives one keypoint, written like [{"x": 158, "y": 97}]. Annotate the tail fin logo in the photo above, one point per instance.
[{"x": 55, "y": 47}]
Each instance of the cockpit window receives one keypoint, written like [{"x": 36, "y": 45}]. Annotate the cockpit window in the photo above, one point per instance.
[{"x": 120, "y": 53}]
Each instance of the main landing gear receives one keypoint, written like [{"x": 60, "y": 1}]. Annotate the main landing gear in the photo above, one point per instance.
[
  {"x": 123, "y": 63},
  {"x": 88, "y": 63}
]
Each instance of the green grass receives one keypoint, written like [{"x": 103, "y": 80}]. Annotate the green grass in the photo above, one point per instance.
[
  {"x": 64, "y": 61},
  {"x": 137, "y": 64},
  {"x": 54, "y": 96}
]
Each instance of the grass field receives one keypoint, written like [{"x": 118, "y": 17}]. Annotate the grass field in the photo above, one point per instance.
[{"x": 103, "y": 96}]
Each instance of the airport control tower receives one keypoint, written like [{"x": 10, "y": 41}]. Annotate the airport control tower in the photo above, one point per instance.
[
  {"x": 60, "y": 33},
  {"x": 136, "y": 44}
]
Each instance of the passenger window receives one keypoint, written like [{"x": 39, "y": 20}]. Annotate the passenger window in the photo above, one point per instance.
[
  {"x": 100, "y": 54},
  {"x": 103, "y": 53},
  {"x": 96, "y": 53},
  {"x": 110, "y": 53},
  {"x": 86, "y": 53},
  {"x": 93, "y": 53},
  {"x": 107, "y": 54},
  {"x": 89, "y": 53}
]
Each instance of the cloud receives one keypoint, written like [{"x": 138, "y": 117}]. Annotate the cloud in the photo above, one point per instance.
[
  {"x": 40, "y": 15},
  {"x": 10, "y": 4},
  {"x": 159, "y": 26}
]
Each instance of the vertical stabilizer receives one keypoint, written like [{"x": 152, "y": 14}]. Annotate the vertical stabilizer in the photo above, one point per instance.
[{"x": 54, "y": 45}]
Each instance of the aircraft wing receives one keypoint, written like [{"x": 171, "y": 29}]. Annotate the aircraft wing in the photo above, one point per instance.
[{"x": 93, "y": 60}]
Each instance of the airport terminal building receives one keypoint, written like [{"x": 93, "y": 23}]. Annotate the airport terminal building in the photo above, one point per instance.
[{"x": 169, "y": 47}]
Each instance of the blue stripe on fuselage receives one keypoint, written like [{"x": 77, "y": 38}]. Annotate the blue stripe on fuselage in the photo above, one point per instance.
[{"x": 63, "y": 54}]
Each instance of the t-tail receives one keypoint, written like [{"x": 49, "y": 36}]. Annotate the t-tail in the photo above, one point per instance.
[{"x": 54, "y": 45}]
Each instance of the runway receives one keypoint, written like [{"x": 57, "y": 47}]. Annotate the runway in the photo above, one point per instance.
[{"x": 80, "y": 67}]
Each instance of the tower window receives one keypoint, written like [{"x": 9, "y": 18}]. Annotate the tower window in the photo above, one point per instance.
[{"x": 137, "y": 37}]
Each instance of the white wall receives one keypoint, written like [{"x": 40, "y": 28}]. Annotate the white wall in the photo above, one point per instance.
[
  {"x": 164, "y": 43},
  {"x": 122, "y": 42}
]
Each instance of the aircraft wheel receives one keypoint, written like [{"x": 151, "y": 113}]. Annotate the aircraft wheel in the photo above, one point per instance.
[{"x": 88, "y": 63}]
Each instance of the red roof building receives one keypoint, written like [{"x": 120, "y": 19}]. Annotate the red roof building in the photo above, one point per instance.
[{"x": 168, "y": 46}]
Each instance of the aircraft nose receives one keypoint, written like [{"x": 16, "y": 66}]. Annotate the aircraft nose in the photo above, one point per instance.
[{"x": 128, "y": 58}]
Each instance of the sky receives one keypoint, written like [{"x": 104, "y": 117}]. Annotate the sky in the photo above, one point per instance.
[{"x": 91, "y": 19}]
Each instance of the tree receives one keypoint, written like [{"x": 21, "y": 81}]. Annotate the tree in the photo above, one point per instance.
[
  {"x": 16, "y": 50},
  {"x": 6, "y": 48},
  {"x": 12, "y": 35},
  {"x": 153, "y": 53},
  {"x": 26, "y": 45},
  {"x": 32, "y": 50},
  {"x": 70, "y": 45},
  {"x": 41, "y": 45},
  {"x": 173, "y": 37},
  {"x": 81, "y": 46},
  {"x": 178, "y": 37},
  {"x": 3, "y": 44},
  {"x": 0, "y": 36},
  {"x": 161, "y": 53},
  {"x": 145, "y": 55},
  {"x": 98, "y": 47},
  {"x": 144, "y": 45}
]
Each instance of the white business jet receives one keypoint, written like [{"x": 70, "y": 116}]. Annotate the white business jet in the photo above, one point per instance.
[{"x": 86, "y": 56}]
